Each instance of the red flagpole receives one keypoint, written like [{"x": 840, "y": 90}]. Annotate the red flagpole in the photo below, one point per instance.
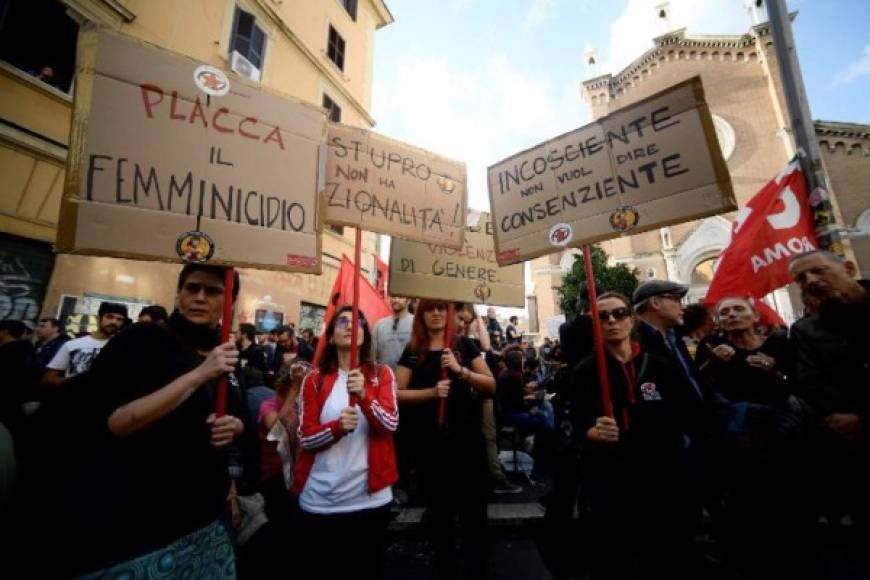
[
  {"x": 448, "y": 325},
  {"x": 596, "y": 326},
  {"x": 226, "y": 327},
  {"x": 354, "y": 355}
]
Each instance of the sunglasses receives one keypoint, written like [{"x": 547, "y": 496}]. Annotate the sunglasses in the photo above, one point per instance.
[
  {"x": 345, "y": 323},
  {"x": 618, "y": 314},
  {"x": 196, "y": 288}
]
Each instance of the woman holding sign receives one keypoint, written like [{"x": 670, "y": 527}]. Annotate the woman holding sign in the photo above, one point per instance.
[
  {"x": 152, "y": 399},
  {"x": 452, "y": 456},
  {"x": 632, "y": 461},
  {"x": 347, "y": 462}
]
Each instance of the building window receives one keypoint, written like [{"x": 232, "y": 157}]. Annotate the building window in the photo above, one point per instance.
[
  {"x": 350, "y": 6},
  {"x": 311, "y": 316},
  {"x": 703, "y": 272},
  {"x": 336, "y": 229},
  {"x": 248, "y": 39},
  {"x": 332, "y": 109},
  {"x": 335, "y": 48},
  {"x": 39, "y": 38}
]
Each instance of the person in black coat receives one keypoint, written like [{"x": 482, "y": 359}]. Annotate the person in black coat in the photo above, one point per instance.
[{"x": 633, "y": 455}]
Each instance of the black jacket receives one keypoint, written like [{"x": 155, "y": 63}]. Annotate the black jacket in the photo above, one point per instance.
[
  {"x": 577, "y": 339},
  {"x": 833, "y": 358},
  {"x": 651, "y": 412}
]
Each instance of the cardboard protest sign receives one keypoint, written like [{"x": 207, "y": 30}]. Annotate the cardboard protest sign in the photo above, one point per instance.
[
  {"x": 469, "y": 274},
  {"x": 385, "y": 186},
  {"x": 172, "y": 160},
  {"x": 650, "y": 164}
]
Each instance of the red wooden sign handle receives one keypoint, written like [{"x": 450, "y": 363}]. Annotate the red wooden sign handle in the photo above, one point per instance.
[
  {"x": 226, "y": 327},
  {"x": 448, "y": 325},
  {"x": 603, "y": 379}
]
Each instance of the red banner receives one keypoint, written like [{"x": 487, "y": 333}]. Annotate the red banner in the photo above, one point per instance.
[
  {"x": 372, "y": 305},
  {"x": 382, "y": 276},
  {"x": 776, "y": 224}
]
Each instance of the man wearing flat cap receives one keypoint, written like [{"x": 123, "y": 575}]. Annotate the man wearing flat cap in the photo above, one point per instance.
[{"x": 659, "y": 308}]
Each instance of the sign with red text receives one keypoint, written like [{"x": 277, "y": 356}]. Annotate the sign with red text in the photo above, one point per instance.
[
  {"x": 385, "y": 186},
  {"x": 468, "y": 274},
  {"x": 171, "y": 159},
  {"x": 652, "y": 163}
]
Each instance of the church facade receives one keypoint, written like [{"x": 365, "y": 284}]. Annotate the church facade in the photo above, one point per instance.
[{"x": 743, "y": 89}]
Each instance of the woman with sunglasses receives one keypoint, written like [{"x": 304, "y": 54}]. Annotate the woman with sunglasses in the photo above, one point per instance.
[
  {"x": 632, "y": 460},
  {"x": 453, "y": 470},
  {"x": 346, "y": 463}
]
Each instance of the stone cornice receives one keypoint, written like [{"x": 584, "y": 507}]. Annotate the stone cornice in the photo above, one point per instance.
[
  {"x": 383, "y": 12},
  {"x": 836, "y": 129},
  {"x": 843, "y": 138},
  {"x": 718, "y": 47}
]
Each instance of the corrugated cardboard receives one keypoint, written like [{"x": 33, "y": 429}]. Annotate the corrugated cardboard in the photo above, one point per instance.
[
  {"x": 153, "y": 157},
  {"x": 470, "y": 274},
  {"x": 385, "y": 186},
  {"x": 589, "y": 185}
]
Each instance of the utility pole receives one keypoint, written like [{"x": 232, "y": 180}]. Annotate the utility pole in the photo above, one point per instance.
[{"x": 801, "y": 126}]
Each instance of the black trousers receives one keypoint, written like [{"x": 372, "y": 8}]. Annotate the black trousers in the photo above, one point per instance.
[
  {"x": 455, "y": 483},
  {"x": 639, "y": 521},
  {"x": 349, "y": 545}
]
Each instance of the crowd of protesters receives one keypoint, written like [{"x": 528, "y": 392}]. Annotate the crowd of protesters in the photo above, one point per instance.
[{"x": 713, "y": 427}]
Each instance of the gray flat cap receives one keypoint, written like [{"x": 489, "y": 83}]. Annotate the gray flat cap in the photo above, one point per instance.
[{"x": 652, "y": 288}]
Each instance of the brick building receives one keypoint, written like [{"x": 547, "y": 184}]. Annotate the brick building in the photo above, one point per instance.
[{"x": 744, "y": 92}]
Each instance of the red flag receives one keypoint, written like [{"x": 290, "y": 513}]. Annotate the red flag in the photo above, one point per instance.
[
  {"x": 776, "y": 224},
  {"x": 382, "y": 275},
  {"x": 372, "y": 305}
]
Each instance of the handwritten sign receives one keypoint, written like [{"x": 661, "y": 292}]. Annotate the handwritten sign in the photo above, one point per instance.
[
  {"x": 469, "y": 274},
  {"x": 392, "y": 188},
  {"x": 650, "y": 164},
  {"x": 174, "y": 160}
]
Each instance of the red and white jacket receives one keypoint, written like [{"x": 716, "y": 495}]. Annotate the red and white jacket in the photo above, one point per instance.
[{"x": 380, "y": 410}]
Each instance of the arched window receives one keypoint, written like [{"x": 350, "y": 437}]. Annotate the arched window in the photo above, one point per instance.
[{"x": 702, "y": 275}]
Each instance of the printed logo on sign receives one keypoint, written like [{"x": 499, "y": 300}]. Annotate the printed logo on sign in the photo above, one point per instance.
[
  {"x": 302, "y": 261},
  {"x": 212, "y": 81},
  {"x": 509, "y": 254},
  {"x": 483, "y": 292},
  {"x": 650, "y": 392},
  {"x": 625, "y": 218},
  {"x": 447, "y": 185},
  {"x": 561, "y": 234},
  {"x": 194, "y": 247}
]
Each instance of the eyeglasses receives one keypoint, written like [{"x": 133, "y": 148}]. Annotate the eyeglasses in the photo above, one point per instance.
[
  {"x": 674, "y": 297},
  {"x": 344, "y": 323},
  {"x": 436, "y": 306},
  {"x": 618, "y": 314},
  {"x": 196, "y": 288}
]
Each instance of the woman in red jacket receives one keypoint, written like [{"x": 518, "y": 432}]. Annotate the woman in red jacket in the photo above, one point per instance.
[{"x": 346, "y": 463}]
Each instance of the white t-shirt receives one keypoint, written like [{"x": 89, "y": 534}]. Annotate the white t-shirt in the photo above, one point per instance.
[
  {"x": 338, "y": 482},
  {"x": 75, "y": 356}
]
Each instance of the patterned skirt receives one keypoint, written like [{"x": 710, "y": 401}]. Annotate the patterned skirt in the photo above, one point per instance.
[{"x": 204, "y": 554}]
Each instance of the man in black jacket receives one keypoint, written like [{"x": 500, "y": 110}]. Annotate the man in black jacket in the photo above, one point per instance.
[
  {"x": 659, "y": 308},
  {"x": 576, "y": 335},
  {"x": 833, "y": 376}
]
